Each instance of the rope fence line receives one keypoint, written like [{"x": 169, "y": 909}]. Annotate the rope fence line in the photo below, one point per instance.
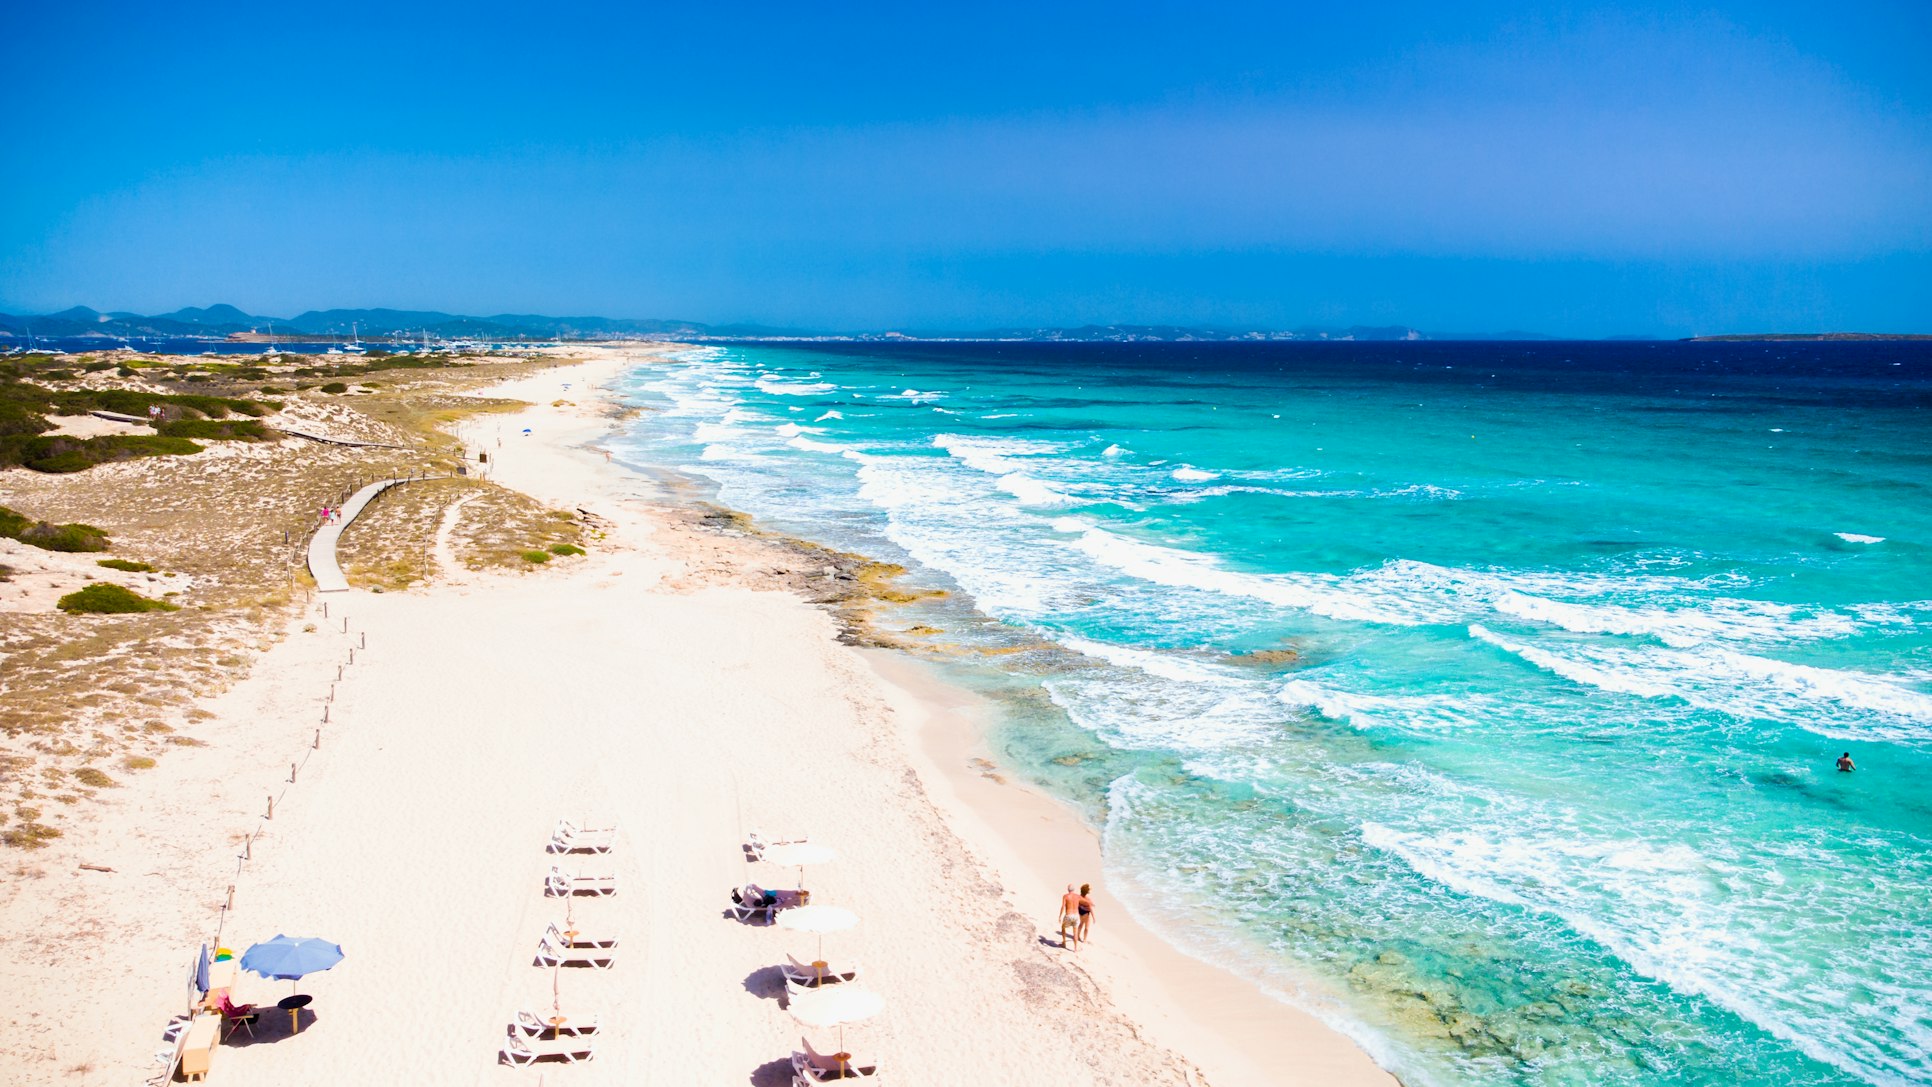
[{"x": 278, "y": 797}]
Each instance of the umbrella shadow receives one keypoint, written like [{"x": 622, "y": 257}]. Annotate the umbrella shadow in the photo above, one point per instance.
[
  {"x": 271, "y": 1025},
  {"x": 766, "y": 983},
  {"x": 772, "y": 1074}
]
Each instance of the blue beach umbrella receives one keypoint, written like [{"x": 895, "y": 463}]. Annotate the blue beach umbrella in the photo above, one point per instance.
[{"x": 290, "y": 957}]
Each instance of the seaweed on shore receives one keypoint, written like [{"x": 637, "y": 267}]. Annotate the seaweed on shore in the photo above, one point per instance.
[{"x": 851, "y": 586}]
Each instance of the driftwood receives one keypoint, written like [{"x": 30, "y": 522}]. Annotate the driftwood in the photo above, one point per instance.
[{"x": 97, "y": 868}]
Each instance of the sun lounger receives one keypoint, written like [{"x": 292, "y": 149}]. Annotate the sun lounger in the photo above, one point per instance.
[
  {"x": 533, "y": 1025},
  {"x": 549, "y": 954},
  {"x": 811, "y": 1066},
  {"x": 805, "y": 975},
  {"x": 523, "y": 1052},
  {"x": 756, "y": 844},
  {"x": 169, "y": 1055},
  {"x": 562, "y": 939},
  {"x": 571, "y": 838},
  {"x": 561, "y": 883},
  {"x": 752, "y": 901}
]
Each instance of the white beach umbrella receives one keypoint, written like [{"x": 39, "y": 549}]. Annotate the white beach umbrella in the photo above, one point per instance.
[
  {"x": 835, "y": 1007},
  {"x": 798, "y": 855},
  {"x": 818, "y": 920}
]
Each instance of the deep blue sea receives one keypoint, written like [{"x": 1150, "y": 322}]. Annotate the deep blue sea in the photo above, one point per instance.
[{"x": 1484, "y": 697}]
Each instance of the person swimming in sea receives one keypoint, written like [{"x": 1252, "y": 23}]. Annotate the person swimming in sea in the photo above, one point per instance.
[{"x": 1845, "y": 764}]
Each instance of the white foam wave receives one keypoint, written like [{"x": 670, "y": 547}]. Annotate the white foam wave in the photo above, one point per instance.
[
  {"x": 776, "y": 387},
  {"x": 994, "y": 456},
  {"x": 1859, "y": 538},
  {"x": 1189, "y": 474},
  {"x": 1115, "y": 451},
  {"x": 799, "y": 441},
  {"x": 828, "y": 415},
  {"x": 916, "y": 396},
  {"x": 1367, "y": 710},
  {"x": 1322, "y": 595},
  {"x": 1740, "y": 684},
  {"x": 1033, "y": 492}
]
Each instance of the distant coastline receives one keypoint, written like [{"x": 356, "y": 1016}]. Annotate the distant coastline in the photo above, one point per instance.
[{"x": 1807, "y": 337}]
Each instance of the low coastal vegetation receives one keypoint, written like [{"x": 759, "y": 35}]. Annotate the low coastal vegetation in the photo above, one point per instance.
[
  {"x": 26, "y": 411},
  {"x": 126, "y": 565},
  {"x": 102, "y": 598},
  {"x": 51, "y": 537},
  {"x": 121, "y": 688}
]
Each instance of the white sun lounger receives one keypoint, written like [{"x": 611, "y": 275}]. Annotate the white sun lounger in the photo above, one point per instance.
[
  {"x": 756, "y": 843},
  {"x": 549, "y": 954},
  {"x": 556, "y": 936},
  {"x": 803, "y": 975},
  {"x": 532, "y": 1025},
  {"x": 571, "y": 838},
  {"x": 812, "y": 1067},
  {"x": 560, "y": 883},
  {"x": 523, "y": 1052}
]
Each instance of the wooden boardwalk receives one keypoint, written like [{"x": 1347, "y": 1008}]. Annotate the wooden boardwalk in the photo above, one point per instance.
[{"x": 322, "y": 564}]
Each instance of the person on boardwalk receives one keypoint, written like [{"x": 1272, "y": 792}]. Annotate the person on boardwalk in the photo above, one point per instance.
[
  {"x": 1086, "y": 911},
  {"x": 1070, "y": 918},
  {"x": 1845, "y": 764}
]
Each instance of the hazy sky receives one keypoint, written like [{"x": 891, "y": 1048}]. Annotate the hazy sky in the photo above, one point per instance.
[{"x": 1453, "y": 166}]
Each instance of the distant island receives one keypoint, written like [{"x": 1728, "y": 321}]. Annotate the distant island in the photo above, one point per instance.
[{"x": 1753, "y": 337}]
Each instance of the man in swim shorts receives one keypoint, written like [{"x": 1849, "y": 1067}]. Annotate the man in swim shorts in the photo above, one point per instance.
[
  {"x": 1845, "y": 763},
  {"x": 1070, "y": 918}
]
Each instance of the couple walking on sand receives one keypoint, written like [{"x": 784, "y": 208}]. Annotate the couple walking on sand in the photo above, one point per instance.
[{"x": 1076, "y": 913}]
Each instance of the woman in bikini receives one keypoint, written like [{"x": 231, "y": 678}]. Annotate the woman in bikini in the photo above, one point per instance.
[
  {"x": 1086, "y": 911},
  {"x": 1070, "y": 918}
]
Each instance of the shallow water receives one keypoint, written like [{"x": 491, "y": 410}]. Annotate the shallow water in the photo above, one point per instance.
[{"x": 1545, "y": 794}]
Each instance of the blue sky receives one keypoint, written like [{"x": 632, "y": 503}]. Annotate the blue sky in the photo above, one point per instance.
[{"x": 1577, "y": 169}]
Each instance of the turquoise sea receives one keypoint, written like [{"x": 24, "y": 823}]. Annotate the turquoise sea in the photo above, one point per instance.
[{"x": 1536, "y": 785}]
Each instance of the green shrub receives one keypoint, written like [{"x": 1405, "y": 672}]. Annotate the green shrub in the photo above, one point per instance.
[
  {"x": 97, "y": 367},
  {"x": 48, "y": 536},
  {"x": 101, "y": 598},
  {"x": 6, "y": 572},
  {"x": 335, "y": 387},
  {"x": 565, "y": 549},
  {"x": 272, "y": 390},
  {"x": 59, "y": 453},
  {"x": 215, "y": 429},
  {"x": 128, "y": 565},
  {"x": 94, "y": 779},
  {"x": 138, "y": 762},
  {"x": 536, "y": 556}
]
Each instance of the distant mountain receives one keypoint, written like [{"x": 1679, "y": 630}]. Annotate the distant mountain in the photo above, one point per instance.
[
  {"x": 220, "y": 316},
  {"x": 222, "y": 320}
]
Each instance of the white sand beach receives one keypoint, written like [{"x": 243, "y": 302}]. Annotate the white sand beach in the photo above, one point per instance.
[{"x": 658, "y": 683}]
